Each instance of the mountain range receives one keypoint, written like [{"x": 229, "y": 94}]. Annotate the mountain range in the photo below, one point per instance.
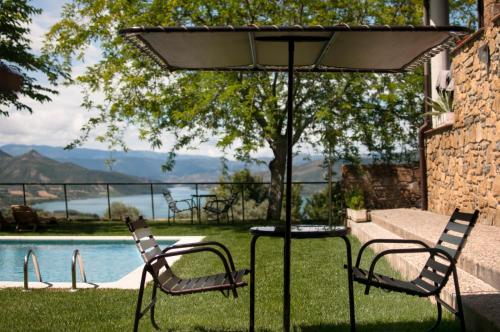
[
  {"x": 34, "y": 167},
  {"x": 147, "y": 164}
]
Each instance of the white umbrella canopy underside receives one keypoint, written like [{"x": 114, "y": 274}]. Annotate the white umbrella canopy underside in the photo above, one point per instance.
[{"x": 336, "y": 48}]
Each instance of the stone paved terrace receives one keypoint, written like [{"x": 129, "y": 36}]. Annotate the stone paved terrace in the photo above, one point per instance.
[{"x": 479, "y": 263}]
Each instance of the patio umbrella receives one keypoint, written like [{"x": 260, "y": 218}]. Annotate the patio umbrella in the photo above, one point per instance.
[{"x": 339, "y": 48}]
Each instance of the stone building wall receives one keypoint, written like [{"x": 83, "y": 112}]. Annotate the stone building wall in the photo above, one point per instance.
[
  {"x": 463, "y": 160},
  {"x": 385, "y": 186}
]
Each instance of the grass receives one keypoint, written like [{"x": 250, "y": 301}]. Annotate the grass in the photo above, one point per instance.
[{"x": 319, "y": 292}]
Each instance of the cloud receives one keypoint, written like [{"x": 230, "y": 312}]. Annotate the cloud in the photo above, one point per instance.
[{"x": 58, "y": 122}]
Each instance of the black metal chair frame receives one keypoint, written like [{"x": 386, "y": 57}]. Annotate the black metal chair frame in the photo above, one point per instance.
[
  {"x": 167, "y": 282},
  {"x": 212, "y": 206},
  {"x": 173, "y": 209},
  {"x": 3, "y": 222},
  {"x": 437, "y": 272}
]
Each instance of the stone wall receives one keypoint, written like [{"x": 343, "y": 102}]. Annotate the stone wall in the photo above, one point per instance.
[
  {"x": 385, "y": 186},
  {"x": 463, "y": 160}
]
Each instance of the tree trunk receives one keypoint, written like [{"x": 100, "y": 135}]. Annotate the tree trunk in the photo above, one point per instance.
[{"x": 277, "y": 167}]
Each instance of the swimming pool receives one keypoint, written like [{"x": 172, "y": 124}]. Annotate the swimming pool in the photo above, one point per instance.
[{"x": 105, "y": 259}]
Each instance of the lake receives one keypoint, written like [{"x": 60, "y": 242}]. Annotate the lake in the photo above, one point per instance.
[{"x": 99, "y": 205}]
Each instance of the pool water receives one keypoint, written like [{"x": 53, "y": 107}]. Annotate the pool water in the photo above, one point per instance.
[{"x": 104, "y": 260}]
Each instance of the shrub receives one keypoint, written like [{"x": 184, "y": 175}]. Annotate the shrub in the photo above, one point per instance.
[
  {"x": 355, "y": 199},
  {"x": 120, "y": 211},
  {"x": 316, "y": 207}
]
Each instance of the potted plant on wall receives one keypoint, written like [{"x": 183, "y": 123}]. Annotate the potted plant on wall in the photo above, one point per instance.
[
  {"x": 355, "y": 202},
  {"x": 442, "y": 109}
]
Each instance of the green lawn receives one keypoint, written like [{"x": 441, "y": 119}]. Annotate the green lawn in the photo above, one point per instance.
[{"x": 319, "y": 292}]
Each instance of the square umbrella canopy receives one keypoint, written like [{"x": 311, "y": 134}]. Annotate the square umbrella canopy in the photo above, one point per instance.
[{"x": 339, "y": 48}]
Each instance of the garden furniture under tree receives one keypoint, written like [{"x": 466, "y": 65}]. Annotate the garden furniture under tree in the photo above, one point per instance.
[
  {"x": 175, "y": 208},
  {"x": 222, "y": 206},
  {"x": 165, "y": 280},
  {"x": 436, "y": 272},
  {"x": 290, "y": 49}
]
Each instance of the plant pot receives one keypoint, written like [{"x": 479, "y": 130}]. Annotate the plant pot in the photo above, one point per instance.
[
  {"x": 357, "y": 215},
  {"x": 443, "y": 119}
]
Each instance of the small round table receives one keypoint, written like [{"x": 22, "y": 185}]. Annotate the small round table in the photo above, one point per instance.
[{"x": 301, "y": 232}]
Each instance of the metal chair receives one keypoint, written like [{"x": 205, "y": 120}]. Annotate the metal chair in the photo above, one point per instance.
[
  {"x": 164, "y": 278},
  {"x": 174, "y": 209},
  {"x": 3, "y": 222},
  {"x": 222, "y": 206},
  {"x": 436, "y": 271},
  {"x": 25, "y": 216}
]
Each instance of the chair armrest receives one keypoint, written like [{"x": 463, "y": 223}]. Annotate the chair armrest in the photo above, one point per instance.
[
  {"x": 205, "y": 243},
  {"x": 188, "y": 201},
  {"x": 216, "y": 201},
  {"x": 192, "y": 251},
  {"x": 431, "y": 251},
  {"x": 362, "y": 249}
]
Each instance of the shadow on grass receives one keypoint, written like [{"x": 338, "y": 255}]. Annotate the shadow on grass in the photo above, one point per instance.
[
  {"x": 446, "y": 325},
  {"x": 119, "y": 228}
]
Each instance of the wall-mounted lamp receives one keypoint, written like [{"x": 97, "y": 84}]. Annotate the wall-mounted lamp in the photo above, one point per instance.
[{"x": 484, "y": 56}]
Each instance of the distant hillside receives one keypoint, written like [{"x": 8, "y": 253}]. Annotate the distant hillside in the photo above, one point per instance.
[
  {"x": 145, "y": 164},
  {"x": 35, "y": 168}
]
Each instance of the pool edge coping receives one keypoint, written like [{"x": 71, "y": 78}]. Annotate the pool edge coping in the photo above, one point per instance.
[{"x": 129, "y": 281}]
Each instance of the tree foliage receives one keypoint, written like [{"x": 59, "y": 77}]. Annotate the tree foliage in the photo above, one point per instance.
[
  {"x": 15, "y": 51},
  {"x": 316, "y": 206},
  {"x": 250, "y": 185},
  {"x": 245, "y": 111}
]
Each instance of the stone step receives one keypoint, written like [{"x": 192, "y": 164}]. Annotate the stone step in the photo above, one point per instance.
[
  {"x": 480, "y": 256},
  {"x": 480, "y": 299}
]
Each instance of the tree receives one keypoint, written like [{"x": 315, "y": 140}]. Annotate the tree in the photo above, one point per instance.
[
  {"x": 15, "y": 51},
  {"x": 244, "y": 108}
]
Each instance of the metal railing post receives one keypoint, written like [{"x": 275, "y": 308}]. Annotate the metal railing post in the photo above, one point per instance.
[
  {"x": 66, "y": 201},
  {"x": 24, "y": 194},
  {"x": 109, "y": 202},
  {"x": 152, "y": 201},
  {"x": 243, "y": 202},
  {"x": 198, "y": 212}
]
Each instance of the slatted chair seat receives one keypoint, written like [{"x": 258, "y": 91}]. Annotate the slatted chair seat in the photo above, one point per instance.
[
  {"x": 388, "y": 283},
  {"x": 437, "y": 270},
  {"x": 213, "y": 282},
  {"x": 164, "y": 278}
]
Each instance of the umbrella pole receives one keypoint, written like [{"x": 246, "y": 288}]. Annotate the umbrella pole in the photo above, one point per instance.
[{"x": 288, "y": 209}]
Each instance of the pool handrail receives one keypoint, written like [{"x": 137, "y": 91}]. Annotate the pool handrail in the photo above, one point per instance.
[
  {"x": 77, "y": 255},
  {"x": 31, "y": 253}
]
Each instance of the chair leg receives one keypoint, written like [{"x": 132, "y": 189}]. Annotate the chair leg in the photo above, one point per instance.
[
  {"x": 460, "y": 309},
  {"x": 153, "y": 304},
  {"x": 138, "y": 314},
  {"x": 439, "y": 314}
]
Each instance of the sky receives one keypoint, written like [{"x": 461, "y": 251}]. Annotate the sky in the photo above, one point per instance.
[{"x": 57, "y": 123}]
